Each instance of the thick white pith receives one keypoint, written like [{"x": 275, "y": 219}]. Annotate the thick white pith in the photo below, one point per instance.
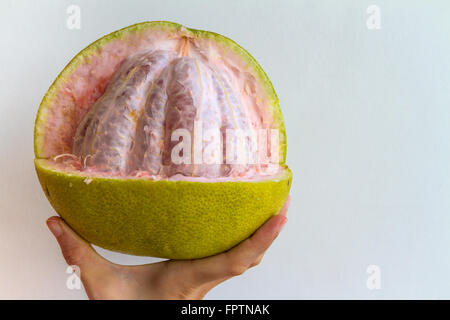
[{"x": 82, "y": 90}]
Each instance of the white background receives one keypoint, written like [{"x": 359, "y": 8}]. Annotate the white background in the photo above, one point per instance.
[{"x": 368, "y": 123}]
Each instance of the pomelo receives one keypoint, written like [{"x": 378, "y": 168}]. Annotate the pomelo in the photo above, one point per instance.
[{"x": 132, "y": 147}]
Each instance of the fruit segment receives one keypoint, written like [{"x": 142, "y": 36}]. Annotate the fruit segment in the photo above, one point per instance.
[{"x": 106, "y": 134}]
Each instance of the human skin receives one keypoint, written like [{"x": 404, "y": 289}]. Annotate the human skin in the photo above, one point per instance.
[{"x": 170, "y": 279}]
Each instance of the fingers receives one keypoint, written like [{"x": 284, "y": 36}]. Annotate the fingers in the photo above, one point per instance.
[
  {"x": 75, "y": 250},
  {"x": 250, "y": 252},
  {"x": 246, "y": 255}
]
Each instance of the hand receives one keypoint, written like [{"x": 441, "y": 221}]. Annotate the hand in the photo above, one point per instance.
[{"x": 171, "y": 279}]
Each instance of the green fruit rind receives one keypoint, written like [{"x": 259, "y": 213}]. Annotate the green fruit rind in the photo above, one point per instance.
[
  {"x": 167, "y": 219},
  {"x": 95, "y": 47}
]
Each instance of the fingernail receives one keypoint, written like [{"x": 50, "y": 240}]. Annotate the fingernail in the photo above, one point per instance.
[
  {"x": 55, "y": 227},
  {"x": 288, "y": 202},
  {"x": 281, "y": 224}
]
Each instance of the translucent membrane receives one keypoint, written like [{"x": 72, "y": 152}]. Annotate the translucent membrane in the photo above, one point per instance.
[{"x": 132, "y": 128}]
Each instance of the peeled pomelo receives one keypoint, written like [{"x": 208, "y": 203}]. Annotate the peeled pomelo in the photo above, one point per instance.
[{"x": 110, "y": 164}]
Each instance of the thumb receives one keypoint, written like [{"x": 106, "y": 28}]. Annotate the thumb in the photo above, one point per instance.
[
  {"x": 76, "y": 251},
  {"x": 246, "y": 255}
]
